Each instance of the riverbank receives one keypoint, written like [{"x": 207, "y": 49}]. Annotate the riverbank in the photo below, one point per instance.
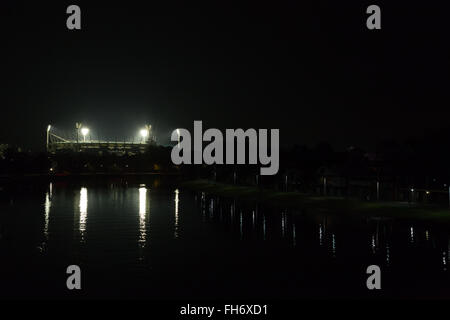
[
  {"x": 15, "y": 183},
  {"x": 62, "y": 176},
  {"x": 321, "y": 204}
]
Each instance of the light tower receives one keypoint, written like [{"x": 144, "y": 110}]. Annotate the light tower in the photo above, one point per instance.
[
  {"x": 48, "y": 132},
  {"x": 78, "y": 126},
  {"x": 146, "y": 133},
  {"x": 84, "y": 132}
]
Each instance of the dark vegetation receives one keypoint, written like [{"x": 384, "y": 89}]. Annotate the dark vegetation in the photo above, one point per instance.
[{"x": 416, "y": 170}]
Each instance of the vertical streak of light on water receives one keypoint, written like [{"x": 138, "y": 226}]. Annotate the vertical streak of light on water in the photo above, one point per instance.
[
  {"x": 373, "y": 244},
  {"x": 240, "y": 224},
  {"x": 320, "y": 235},
  {"x": 176, "y": 226},
  {"x": 142, "y": 216},
  {"x": 388, "y": 254},
  {"x": 47, "y": 207},
  {"x": 203, "y": 205},
  {"x": 264, "y": 226},
  {"x": 333, "y": 245},
  {"x": 294, "y": 239},
  {"x": 83, "y": 212},
  {"x": 211, "y": 208},
  {"x": 448, "y": 251},
  {"x": 232, "y": 213},
  {"x": 253, "y": 219}
]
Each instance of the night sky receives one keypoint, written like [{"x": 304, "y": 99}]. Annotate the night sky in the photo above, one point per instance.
[{"x": 311, "y": 69}]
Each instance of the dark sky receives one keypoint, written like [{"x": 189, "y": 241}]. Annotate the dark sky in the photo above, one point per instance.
[{"x": 310, "y": 68}]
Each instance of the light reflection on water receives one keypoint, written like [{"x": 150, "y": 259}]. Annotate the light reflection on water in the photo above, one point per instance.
[
  {"x": 142, "y": 216},
  {"x": 388, "y": 239},
  {"x": 83, "y": 213},
  {"x": 294, "y": 240},
  {"x": 177, "y": 200},
  {"x": 320, "y": 235},
  {"x": 252, "y": 222},
  {"x": 47, "y": 206},
  {"x": 114, "y": 226}
]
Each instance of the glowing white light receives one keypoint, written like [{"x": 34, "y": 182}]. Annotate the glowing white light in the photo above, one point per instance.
[
  {"x": 144, "y": 133},
  {"x": 142, "y": 214},
  {"x": 84, "y": 131},
  {"x": 142, "y": 200},
  {"x": 176, "y": 213},
  {"x": 83, "y": 211},
  {"x": 47, "y": 206},
  {"x": 48, "y": 128}
]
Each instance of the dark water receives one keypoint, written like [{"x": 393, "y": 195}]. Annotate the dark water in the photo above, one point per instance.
[{"x": 162, "y": 242}]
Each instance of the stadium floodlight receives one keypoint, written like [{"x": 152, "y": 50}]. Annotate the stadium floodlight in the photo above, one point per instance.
[
  {"x": 144, "y": 134},
  {"x": 84, "y": 132}
]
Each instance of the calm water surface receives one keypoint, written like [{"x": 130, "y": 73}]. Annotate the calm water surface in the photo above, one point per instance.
[{"x": 141, "y": 240}]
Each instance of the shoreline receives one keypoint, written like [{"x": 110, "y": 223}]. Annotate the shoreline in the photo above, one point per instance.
[
  {"x": 49, "y": 176},
  {"x": 338, "y": 206}
]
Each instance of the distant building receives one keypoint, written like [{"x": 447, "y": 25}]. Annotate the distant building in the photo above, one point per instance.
[
  {"x": 100, "y": 147},
  {"x": 81, "y": 141}
]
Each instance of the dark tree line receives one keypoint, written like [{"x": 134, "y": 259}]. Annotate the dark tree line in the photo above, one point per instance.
[{"x": 419, "y": 163}]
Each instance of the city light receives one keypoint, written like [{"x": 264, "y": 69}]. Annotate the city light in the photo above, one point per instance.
[
  {"x": 56, "y": 141},
  {"x": 144, "y": 133},
  {"x": 143, "y": 210},
  {"x": 84, "y": 132},
  {"x": 83, "y": 206}
]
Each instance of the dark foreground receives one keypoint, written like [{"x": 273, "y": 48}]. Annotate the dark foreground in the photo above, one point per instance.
[{"x": 141, "y": 239}]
